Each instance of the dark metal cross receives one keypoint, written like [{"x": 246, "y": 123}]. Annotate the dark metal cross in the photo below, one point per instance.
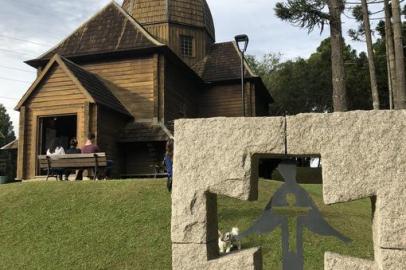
[{"x": 292, "y": 205}]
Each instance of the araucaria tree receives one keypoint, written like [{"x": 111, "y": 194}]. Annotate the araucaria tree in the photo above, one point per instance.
[
  {"x": 390, "y": 55},
  {"x": 361, "y": 14},
  {"x": 310, "y": 14}
]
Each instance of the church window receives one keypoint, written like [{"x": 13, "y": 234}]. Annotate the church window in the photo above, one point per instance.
[{"x": 186, "y": 45}]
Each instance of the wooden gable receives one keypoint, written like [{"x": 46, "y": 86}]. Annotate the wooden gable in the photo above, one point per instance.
[
  {"x": 65, "y": 83},
  {"x": 56, "y": 86}
]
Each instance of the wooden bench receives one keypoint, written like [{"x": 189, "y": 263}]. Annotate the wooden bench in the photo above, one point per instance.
[{"x": 74, "y": 162}]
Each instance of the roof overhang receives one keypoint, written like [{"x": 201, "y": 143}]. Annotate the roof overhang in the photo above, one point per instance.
[
  {"x": 37, "y": 63},
  {"x": 10, "y": 146}
]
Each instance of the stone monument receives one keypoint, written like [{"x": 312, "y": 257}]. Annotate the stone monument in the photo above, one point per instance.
[{"x": 363, "y": 156}]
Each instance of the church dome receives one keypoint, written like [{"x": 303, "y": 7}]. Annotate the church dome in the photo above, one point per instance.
[{"x": 195, "y": 13}]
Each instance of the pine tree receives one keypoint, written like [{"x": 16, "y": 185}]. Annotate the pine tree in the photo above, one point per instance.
[
  {"x": 390, "y": 55},
  {"x": 310, "y": 14},
  {"x": 361, "y": 14},
  {"x": 400, "y": 101},
  {"x": 6, "y": 127}
]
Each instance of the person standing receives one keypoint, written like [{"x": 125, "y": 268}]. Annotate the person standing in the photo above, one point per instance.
[{"x": 168, "y": 161}]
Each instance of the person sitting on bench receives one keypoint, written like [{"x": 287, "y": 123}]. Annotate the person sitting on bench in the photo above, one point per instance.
[
  {"x": 73, "y": 144},
  {"x": 56, "y": 149},
  {"x": 90, "y": 147}
]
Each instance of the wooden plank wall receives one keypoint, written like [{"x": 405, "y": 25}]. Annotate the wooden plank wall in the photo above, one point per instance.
[
  {"x": 170, "y": 34},
  {"x": 181, "y": 94},
  {"x": 59, "y": 90},
  {"x": 168, "y": 20},
  {"x": 159, "y": 31},
  {"x": 134, "y": 81},
  {"x": 138, "y": 157},
  {"x": 201, "y": 42},
  {"x": 56, "y": 95},
  {"x": 109, "y": 126},
  {"x": 225, "y": 100},
  {"x": 262, "y": 102}
]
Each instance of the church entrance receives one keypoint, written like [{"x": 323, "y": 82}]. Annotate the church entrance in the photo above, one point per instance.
[{"x": 63, "y": 128}]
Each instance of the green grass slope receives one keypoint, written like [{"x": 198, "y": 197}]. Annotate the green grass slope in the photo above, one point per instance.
[{"x": 126, "y": 225}]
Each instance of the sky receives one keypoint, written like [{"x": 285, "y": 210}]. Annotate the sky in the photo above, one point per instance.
[{"x": 29, "y": 28}]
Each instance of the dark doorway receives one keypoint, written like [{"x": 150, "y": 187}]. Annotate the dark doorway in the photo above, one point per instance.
[{"x": 62, "y": 127}]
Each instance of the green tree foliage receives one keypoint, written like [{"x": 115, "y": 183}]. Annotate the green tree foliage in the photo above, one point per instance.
[
  {"x": 359, "y": 33},
  {"x": 362, "y": 14},
  {"x": 304, "y": 13},
  {"x": 6, "y": 127},
  {"x": 304, "y": 85},
  {"x": 263, "y": 67}
]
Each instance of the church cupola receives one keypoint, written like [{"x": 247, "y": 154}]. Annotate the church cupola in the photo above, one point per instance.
[{"x": 187, "y": 27}]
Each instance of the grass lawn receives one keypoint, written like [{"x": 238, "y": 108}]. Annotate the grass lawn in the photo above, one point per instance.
[{"x": 126, "y": 225}]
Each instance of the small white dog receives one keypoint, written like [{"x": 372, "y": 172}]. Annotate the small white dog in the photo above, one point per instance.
[{"x": 229, "y": 241}]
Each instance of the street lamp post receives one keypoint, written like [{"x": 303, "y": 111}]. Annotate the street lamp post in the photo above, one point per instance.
[{"x": 242, "y": 44}]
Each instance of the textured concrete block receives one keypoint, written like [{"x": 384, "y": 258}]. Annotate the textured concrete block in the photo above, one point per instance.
[
  {"x": 216, "y": 156},
  {"x": 196, "y": 220},
  {"x": 359, "y": 149},
  {"x": 250, "y": 259},
  {"x": 363, "y": 154},
  {"x": 392, "y": 259},
  {"x": 393, "y": 233},
  {"x": 195, "y": 257},
  {"x": 334, "y": 261},
  {"x": 391, "y": 207}
]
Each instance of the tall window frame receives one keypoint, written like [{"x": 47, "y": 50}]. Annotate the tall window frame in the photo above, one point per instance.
[{"x": 187, "y": 46}]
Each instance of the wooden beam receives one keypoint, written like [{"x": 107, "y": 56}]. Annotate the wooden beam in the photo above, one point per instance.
[
  {"x": 21, "y": 144},
  {"x": 161, "y": 105},
  {"x": 156, "y": 70},
  {"x": 86, "y": 117},
  {"x": 253, "y": 99}
]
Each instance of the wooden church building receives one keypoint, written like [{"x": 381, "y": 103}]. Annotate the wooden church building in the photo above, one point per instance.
[{"x": 125, "y": 75}]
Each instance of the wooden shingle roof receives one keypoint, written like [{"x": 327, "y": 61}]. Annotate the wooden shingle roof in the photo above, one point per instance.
[
  {"x": 111, "y": 30},
  {"x": 192, "y": 12},
  {"x": 195, "y": 13},
  {"x": 94, "y": 85},
  {"x": 222, "y": 63}
]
